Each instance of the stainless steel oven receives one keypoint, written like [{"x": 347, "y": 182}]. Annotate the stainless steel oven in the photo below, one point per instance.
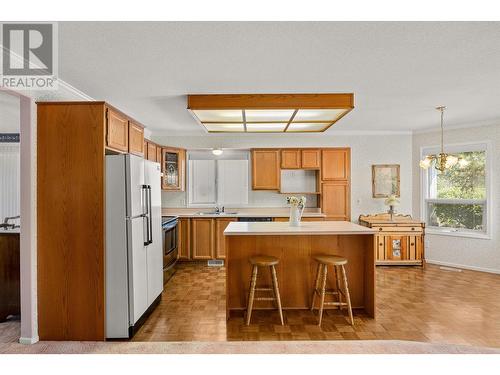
[{"x": 170, "y": 236}]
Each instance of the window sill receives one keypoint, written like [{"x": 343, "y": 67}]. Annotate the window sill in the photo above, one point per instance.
[{"x": 442, "y": 232}]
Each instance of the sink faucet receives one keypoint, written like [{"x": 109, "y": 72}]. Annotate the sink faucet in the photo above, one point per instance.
[
  {"x": 6, "y": 223},
  {"x": 219, "y": 210}
]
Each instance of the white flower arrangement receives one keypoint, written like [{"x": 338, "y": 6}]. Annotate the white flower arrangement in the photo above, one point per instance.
[
  {"x": 392, "y": 201},
  {"x": 296, "y": 201}
]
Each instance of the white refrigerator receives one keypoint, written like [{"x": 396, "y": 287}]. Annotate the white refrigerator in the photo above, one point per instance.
[{"x": 134, "y": 249}]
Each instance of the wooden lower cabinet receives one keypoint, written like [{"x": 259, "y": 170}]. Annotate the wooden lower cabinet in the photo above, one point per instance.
[
  {"x": 202, "y": 238},
  {"x": 184, "y": 239},
  {"x": 220, "y": 240},
  {"x": 335, "y": 200},
  {"x": 400, "y": 240}
]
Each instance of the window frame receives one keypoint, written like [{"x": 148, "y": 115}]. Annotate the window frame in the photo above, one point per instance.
[{"x": 425, "y": 191}]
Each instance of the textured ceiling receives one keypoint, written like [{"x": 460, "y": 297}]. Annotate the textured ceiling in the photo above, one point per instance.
[{"x": 398, "y": 71}]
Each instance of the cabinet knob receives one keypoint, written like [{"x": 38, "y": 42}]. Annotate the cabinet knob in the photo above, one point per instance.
[
  {"x": 379, "y": 228},
  {"x": 412, "y": 244},
  {"x": 412, "y": 228},
  {"x": 381, "y": 244}
]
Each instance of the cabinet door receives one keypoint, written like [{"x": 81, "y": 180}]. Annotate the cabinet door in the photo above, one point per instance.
[
  {"x": 184, "y": 239},
  {"x": 145, "y": 149},
  {"x": 265, "y": 169},
  {"x": 335, "y": 200},
  {"x": 202, "y": 238},
  {"x": 135, "y": 139},
  {"x": 173, "y": 169},
  {"x": 116, "y": 131},
  {"x": 335, "y": 164},
  {"x": 151, "y": 151},
  {"x": 220, "y": 239},
  {"x": 396, "y": 247},
  {"x": 311, "y": 159},
  {"x": 158, "y": 154},
  {"x": 290, "y": 159},
  {"x": 380, "y": 246}
]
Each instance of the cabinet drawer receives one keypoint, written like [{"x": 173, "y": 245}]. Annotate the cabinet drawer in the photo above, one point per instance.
[{"x": 415, "y": 229}]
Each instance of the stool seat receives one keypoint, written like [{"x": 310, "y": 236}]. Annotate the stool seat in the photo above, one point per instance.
[
  {"x": 333, "y": 260},
  {"x": 264, "y": 260}
]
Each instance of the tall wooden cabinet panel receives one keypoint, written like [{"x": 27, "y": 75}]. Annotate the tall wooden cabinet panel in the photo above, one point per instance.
[
  {"x": 151, "y": 152},
  {"x": 173, "y": 169},
  {"x": 117, "y": 133},
  {"x": 220, "y": 239},
  {"x": 335, "y": 164},
  {"x": 135, "y": 139},
  {"x": 202, "y": 238},
  {"x": 290, "y": 159},
  {"x": 158, "y": 154},
  {"x": 70, "y": 217},
  {"x": 311, "y": 159},
  {"x": 266, "y": 172},
  {"x": 184, "y": 239},
  {"x": 335, "y": 200}
]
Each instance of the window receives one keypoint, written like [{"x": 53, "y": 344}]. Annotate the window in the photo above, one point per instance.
[
  {"x": 218, "y": 180},
  {"x": 456, "y": 200}
]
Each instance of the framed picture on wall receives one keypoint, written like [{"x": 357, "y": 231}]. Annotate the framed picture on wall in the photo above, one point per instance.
[{"x": 385, "y": 180}]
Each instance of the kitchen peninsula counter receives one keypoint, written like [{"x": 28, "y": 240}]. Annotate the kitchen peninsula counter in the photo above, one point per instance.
[{"x": 296, "y": 247}]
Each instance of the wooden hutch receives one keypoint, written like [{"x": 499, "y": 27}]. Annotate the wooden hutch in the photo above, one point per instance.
[{"x": 400, "y": 239}]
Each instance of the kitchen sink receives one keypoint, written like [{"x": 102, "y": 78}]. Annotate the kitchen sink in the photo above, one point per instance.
[{"x": 204, "y": 213}]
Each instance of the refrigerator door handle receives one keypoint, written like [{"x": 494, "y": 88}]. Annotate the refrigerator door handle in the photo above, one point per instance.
[
  {"x": 145, "y": 206},
  {"x": 150, "y": 211}
]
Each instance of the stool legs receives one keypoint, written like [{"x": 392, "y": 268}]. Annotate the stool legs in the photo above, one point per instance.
[
  {"x": 277, "y": 293},
  {"x": 251, "y": 294},
  {"x": 322, "y": 296},
  {"x": 316, "y": 285},
  {"x": 337, "y": 282},
  {"x": 347, "y": 295}
]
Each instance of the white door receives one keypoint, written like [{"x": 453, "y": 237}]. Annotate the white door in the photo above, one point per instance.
[
  {"x": 138, "y": 272},
  {"x": 155, "y": 249},
  {"x": 135, "y": 181}
]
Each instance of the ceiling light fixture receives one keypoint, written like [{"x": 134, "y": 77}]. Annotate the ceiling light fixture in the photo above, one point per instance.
[
  {"x": 442, "y": 160},
  {"x": 269, "y": 113},
  {"x": 217, "y": 151}
]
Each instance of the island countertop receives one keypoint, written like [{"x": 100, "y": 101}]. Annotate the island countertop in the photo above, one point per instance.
[{"x": 305, "y": 228}]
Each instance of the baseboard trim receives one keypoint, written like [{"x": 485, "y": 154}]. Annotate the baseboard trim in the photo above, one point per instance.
[
  {"x": 463, "y": 266},
  {"x": 29, "y": 340}
]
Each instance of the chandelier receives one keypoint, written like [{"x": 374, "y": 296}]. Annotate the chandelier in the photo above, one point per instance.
[{"x": 442, "y": 160}]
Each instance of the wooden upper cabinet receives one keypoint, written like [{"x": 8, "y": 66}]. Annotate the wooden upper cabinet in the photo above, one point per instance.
[
  {"x": 151, "y": 152},
  {"x": 290, "y": 159},
  {"x": 335, "y": 164},
  {"x": 135, "y": 139},
  {"x": 158, "y": 154},
  {"x": 311, "y": 159},
  {"x": 117, "y": 131},
  {"x": 174, "y": 169},
  {"x": 202, "y": 244},
  {"x": 266, "y": 169},
  {"x": 336, "y": 200}
]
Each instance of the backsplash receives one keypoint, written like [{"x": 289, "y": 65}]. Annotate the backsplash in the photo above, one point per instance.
[{"x": 255, "y": 199}]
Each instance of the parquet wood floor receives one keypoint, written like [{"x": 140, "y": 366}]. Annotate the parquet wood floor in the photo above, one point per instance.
[{"x": 431, "y": 305}]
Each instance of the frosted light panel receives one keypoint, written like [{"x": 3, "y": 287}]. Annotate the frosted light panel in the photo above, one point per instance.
[
  {"x": 219, "y": 115},
  {"x": 307, "y": 127},
  {"x": 224, "y": 127},
  {"x": 266, "y": 127},
  {"x": 253, "y": 115},
  {"x": 318, "y": 114}
]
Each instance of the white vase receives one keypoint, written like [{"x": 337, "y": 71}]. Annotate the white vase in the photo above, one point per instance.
[{"x": 295, "y": 215}]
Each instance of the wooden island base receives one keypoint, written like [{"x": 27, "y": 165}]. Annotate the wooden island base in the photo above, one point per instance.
[{"x": 297, "y": 268}]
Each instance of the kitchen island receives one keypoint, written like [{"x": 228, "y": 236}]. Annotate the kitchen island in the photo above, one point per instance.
[{"x": 295, "y": 247}]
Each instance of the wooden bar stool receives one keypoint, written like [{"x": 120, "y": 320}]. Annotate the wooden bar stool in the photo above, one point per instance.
[
  {"x": 263, "y": 261},
  {"x": 337, "y": 262}
]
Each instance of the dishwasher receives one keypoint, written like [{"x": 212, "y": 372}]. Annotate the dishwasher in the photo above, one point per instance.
[{"x": 254, "y": 219}]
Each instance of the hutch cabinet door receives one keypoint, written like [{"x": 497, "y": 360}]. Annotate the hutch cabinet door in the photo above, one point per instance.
[
  {"x": 397, "y": 247},
  {"x": 335, "y": 164}
]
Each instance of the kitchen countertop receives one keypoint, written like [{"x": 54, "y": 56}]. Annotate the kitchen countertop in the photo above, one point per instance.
[
  {"x": 240, "y": 212},
  {"x": 10, "y": 231},
  {"x": 305, "y": 228}
]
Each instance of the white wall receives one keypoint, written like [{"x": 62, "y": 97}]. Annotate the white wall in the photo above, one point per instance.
[
  {"x": 479, "y": 254},
  {"x": 366, "y": 149}
]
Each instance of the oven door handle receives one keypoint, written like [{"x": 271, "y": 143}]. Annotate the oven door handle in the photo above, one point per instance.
[{"x": 170, "y": 225}]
